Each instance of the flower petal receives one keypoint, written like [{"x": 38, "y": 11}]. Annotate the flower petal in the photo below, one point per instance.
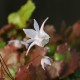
[
  {"x": 13, "y": 41},
  {"x": 42, "y": 26},
  {"x": 17, "y": 43},
  {"x": 42, "y": 64},
  {"x": 30, "y": 33},
  {"x": 36, "y": 26},
  {"x": 42, "y": 32},
  {"x": 45, "y": 60},
  {"x": 31, "y": 45},
  {"x": 45, "y": 41},
  {"x": 44, "y": 35},
  {"x": 26, "y": 43}
]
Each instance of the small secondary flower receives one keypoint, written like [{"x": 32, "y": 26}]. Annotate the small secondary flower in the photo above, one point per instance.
[
  {"x": 45, "y": 61},
  {"x": 16, "y": 43}
]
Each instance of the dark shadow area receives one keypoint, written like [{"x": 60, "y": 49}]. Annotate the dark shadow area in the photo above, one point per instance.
[{"x": 57, "y": 10}]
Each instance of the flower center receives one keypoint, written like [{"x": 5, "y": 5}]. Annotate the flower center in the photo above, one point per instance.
[{"x": 39, "y": 38}]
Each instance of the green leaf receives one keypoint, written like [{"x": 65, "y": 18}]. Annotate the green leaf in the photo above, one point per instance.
[
  {"x": 51, "y": 50},
  {"x": 77, "y": 73},
  {"x": 58, "y": 57},
  {"x": 2, "y": 44},
  {"x": 22, "y": 15}
]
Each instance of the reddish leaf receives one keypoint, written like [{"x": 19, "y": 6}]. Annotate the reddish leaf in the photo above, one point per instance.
[
  {"x": 25, "y": 73},
  {"x": 40, "y": 73},
  {"x": 9, "y": 54},
  {"x": 71, "y": 64},
  {"x": 62, "y": 49},
  {"x": 36, "y": 55},
  {"x": 76, "y": 29},
  {"x": 6, "y": 28},
  {"x": 55, "y": 69}
]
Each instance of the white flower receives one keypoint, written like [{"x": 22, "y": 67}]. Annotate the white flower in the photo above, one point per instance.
[
  {"x": 45, "y": 61},
  {"x": 38, "y": 36},
  {"x": 16, "y": 43}
]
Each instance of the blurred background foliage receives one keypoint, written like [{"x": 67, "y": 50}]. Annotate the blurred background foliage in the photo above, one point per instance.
[
  {"x": 63, "y": 47},
  {"x": 57, "y": 10},
  {"x": 20, "y": 17}
]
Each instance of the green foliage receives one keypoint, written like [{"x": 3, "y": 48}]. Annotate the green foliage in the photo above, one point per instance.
[
  {"x": 51, "y": 50},
  {"x": 68, "y": 55},
  {"x": 75, "y": 76},
  {"x": 20, "y": 17},
  {"x": 12, "y": 32},
  {"x": 58, "y": 57},
  {"x": 2, "y": 44},
  {"x": 12, "y": 70}
]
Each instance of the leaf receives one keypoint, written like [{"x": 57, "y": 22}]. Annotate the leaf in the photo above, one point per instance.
[
  {"x": 26, "y": 73},
  {"x": 22, "y": 15},
  {"x": 50, "y": 30},
  {"x": 35, "y": 55},
  {"x": 58, "y": 57},
  {"x": 9, "y": 54},
  {"x": 22, "y": 74},
  {"x": 40, "y": 73},
  {"x": 63, "y": 48},
  {"x": 76, "y": 29},
  {"x": 71, "y": 65},
  {"x": 77, "y": 73},
  {"x": 2, "y": 44},
  {"x": 5, "y": 28},
  {"x": 75, "y": 76},
  {"x": 51, "y": 50},
  {"x": 54, "y": 70}
]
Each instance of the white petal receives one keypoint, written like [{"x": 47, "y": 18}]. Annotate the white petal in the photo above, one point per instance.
[
  {"x": 36, "y": 26},
  {"x": 42, "y": 64},
  {"x": 31, "y": 45},
  {"x": 46, "y": 35},
  {"x": 30, "y": 33},
  {"x": 42, "y": 32},
  {"x": 39, "y": 43},
  {"x": 17, "y": 43},
  {"x": 44, "y": 42},
  {"x": 24, "y": 43},
  {"x": 14, "y": 41},
  {"x": 30, "y": 40},
  {"x": 45, "y": 60},
  {"x": 42, "y": 26}
]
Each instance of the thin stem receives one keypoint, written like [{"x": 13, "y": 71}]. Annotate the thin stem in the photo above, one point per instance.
[
  {"x": 6, "y": 67},
  {"x": 6, "y": 71}
]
